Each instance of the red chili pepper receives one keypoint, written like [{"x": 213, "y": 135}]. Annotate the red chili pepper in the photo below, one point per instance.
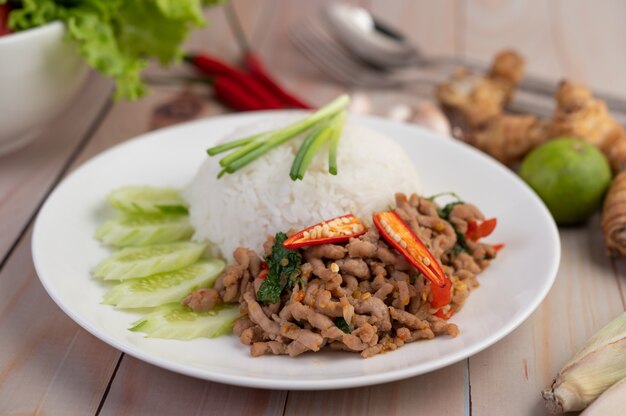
[
  {"x": 214, "y": 67},
  {"x": 4, "y": 19},
  {"x": 402, "y": 238},
  {"x": 444, "y": 315},
  {"x": 476, "y": 231},
  {"x": 258, "y": 71},
  {"x": 265, "y": 266},
  {"x": 230, "y": 92},
  {"x": 498, "y": 247},
  {"x": 337, "y": 230},
  {"x": 263, "y": 274}
]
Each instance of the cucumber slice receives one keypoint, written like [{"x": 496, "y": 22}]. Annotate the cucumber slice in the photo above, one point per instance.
[
  {"x": 143, "y": 230},
  {"x": 175, "y": 321},
  {"x": 132, "y": 262},
  {"x": 163, "y": 288},
  {"x": 148, "y": 200}
]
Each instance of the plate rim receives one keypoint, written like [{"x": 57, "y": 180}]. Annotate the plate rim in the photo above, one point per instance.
[{"x": 291, "y": 384}]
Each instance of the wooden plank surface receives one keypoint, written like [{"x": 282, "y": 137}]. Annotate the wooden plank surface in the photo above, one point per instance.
[
  {"x": 141, "y": 389},
  {"x": 585, "y": 297},
  {"x": 436, "y": 393},
  {"x": 27, "y": 175},
  {"x": 48, "y": 365},
  {"x": 430, "y": 26},
  {"x": 560, "y": 38}
]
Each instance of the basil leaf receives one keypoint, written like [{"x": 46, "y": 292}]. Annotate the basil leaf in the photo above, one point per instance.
[
  {"x": 284, "y": 271},
  {"x": 343, "y": 325}
]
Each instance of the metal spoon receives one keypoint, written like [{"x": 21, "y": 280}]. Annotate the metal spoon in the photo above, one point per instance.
[
  {"x": 383, "y": 47},
  {"x": 375, "y": 42}
]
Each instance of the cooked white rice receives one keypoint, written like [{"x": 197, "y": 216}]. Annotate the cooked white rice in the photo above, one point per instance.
[{"x": 241, "y": 209}]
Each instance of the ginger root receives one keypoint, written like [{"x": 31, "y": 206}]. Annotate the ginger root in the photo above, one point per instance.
[
  {"x": 477, "y": 98},
  {"x": 614, "y": 215},
  {"x": 475, "y": 104},
  {"x": 509, "y": 138},
  {"x": 579, "y": 114}
]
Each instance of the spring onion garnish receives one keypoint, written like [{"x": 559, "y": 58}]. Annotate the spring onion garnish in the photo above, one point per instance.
[
  {"x": 324, "y": 132},
  {"x": 327, "y": 122},
  {"x": 334, "y": 142},
  {"x": 318, "y": 130},
  {"x": 232, "y": 145}
]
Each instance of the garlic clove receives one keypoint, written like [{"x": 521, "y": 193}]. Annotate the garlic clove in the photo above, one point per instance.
[
  {"x": 429, "y": 115},
  {"x": 426, "y": 114}
]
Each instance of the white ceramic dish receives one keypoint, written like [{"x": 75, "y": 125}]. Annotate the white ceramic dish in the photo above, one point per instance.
[
  {"x": 64, "y": 252},
  {"x": 40, "y": 72}
]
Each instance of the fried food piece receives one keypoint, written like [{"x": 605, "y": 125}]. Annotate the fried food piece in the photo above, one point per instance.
[
  {"x": 509, "y": 137},
  {"x": 579, "y": 114},
  {"x": 477, "y": 98}
]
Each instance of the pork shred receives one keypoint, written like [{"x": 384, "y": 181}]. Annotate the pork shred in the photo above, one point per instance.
[{"x": 361, "y": 296}]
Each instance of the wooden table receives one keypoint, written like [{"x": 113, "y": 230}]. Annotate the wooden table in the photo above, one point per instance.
[{"x": 49, "y": 365}]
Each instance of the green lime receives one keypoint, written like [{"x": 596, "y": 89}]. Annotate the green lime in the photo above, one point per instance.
[{"x": 570, "y": 175}]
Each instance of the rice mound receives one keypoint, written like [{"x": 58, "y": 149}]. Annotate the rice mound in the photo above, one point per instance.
[{"x": 241, "y": 209}]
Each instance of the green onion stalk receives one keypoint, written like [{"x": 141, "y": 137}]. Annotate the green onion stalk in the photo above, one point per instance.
[{"x": 326, "y": 124}]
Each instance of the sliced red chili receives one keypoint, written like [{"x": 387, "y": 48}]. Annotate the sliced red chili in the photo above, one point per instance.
[
  {"x": 498, "y": 247},
  {"x": 402, "y": 238},
  {"x": 263, "y": 274},
  {"x": 476, "y": 231},
  {"x": 337, "y": 230},
  {"x": 444, "y": 314}
]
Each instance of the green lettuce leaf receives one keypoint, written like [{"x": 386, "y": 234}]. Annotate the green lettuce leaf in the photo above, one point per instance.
[{"x": 118, "y": 37}]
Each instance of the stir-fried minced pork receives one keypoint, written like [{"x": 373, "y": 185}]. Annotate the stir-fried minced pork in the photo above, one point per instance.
[{"x": 360, "y": 296}]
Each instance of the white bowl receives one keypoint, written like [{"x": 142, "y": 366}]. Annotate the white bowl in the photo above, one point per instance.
[{"x": 40, "y": 71}]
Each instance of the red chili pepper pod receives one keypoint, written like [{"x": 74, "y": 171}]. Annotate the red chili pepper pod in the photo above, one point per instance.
[
  {"x": 476, "y": 231},
  {"x": 258, "y": 71},
  {"x": 215, "y": 67},
  {"x": 4, "y": 19},
  {"x": 212, "y": 66},
  {"x": 337, "y": 230},
  {"x": 398, "y": 234},
  {"x": 232, "y": 94}
]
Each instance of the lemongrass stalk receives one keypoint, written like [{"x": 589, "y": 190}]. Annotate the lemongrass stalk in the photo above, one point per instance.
[
  {"x": 596, "y": 367},
  {"x": 611, "y": 402}
]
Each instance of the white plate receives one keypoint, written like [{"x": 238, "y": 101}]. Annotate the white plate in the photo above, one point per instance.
[{"x": 64, "y": 252}]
